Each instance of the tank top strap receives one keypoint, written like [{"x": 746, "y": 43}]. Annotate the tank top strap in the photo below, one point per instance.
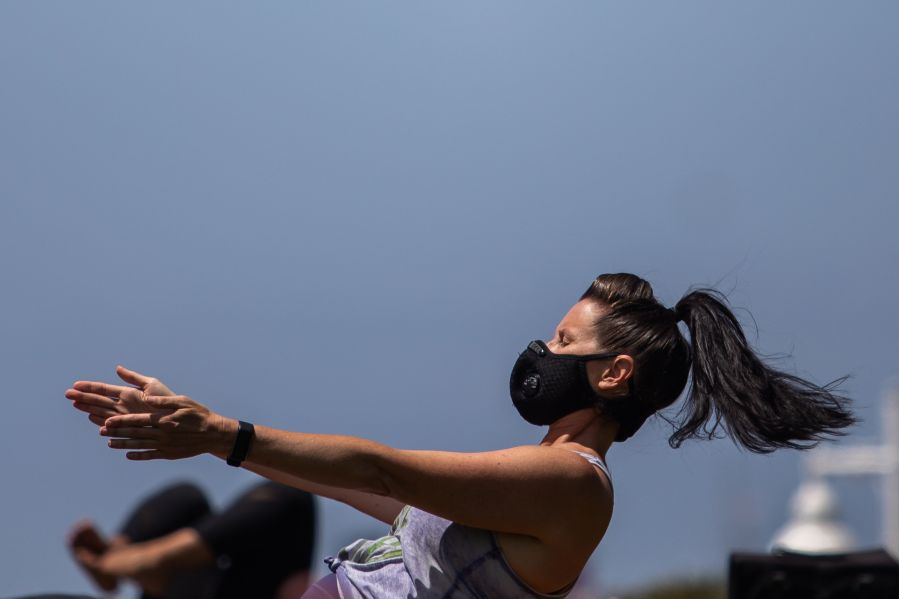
[{"x": 599, "y": 463}]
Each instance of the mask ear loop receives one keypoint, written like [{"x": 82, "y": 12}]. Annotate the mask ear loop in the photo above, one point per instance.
[{"x": 629, "y": 411}]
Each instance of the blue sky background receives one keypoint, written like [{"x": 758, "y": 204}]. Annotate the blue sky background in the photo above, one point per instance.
[{"x": 351, "y": 217}]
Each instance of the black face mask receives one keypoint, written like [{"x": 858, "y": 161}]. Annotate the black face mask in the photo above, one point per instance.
[{"x": 546, "y": 386}]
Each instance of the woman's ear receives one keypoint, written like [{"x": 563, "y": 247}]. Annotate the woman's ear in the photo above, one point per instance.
[{"x": 611, "y": 378}]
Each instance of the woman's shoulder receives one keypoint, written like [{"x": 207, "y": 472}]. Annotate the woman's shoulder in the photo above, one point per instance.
[
  {"x": 583, "y": 455},
  {"x": 580, "y": 520}
]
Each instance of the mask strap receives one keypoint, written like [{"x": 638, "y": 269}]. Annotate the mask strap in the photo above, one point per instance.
[{"x": 629, "y": 411}]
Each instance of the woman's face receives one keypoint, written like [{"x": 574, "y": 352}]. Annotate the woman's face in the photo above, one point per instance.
[{"x": 576, "y": 333}]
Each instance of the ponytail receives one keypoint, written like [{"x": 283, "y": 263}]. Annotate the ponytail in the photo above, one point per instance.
[
  {"x": 731, "y": 389},
  {"x": 762, "y": 409}
]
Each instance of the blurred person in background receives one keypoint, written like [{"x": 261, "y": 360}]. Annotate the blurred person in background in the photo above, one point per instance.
[
  {"x": 517, "y": 522},
  {"x": 174, "y": 546}
]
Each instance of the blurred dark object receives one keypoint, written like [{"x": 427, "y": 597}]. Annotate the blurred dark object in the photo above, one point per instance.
[
  {"x": 681, "y": 589},
  {"x": 861, "y": 575},
  {"x": 57, "y": 597},
  {"x": 263, "y": 537}
]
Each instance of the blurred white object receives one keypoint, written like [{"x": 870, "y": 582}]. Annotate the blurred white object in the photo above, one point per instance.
[
  {"x": 815, "y": 525},
  {"x": 817, "y": 519}
]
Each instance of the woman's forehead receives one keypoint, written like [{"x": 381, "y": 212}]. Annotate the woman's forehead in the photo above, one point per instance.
[{"x": 583, "y": 315}]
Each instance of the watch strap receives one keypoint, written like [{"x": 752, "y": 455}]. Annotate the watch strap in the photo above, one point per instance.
[{"x": 246, "y": 432}]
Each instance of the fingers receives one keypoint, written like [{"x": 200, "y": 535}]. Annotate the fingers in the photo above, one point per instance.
[
  {"x": 85, "y": 556},
  {"x": 131, "y": 433},
  {"x": 85, "y": 534},
  {"x": 105, "y": 389},
  {"x": 96, "y": 405},
  {"x": 154, "y": 454},
  {"x": 131, "y": 420},
  {"x": 132, "y": 437},
  {"x": 91, "y": 399},
  {"x": 130, "y": 376},
  {"x": 102, "y": 413},
  {"x": 98, "y": 420},
  {"x": 134, "y": 443}
]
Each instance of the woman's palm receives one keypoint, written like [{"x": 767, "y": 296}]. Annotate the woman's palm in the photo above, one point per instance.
[{"x": 103, "y": 400}]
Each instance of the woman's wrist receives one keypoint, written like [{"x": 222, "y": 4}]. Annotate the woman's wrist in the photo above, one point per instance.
[{"x": 224, "y": 437}]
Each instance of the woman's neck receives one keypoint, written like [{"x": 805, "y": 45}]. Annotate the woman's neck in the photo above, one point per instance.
[{"x": 586, "y": 428}]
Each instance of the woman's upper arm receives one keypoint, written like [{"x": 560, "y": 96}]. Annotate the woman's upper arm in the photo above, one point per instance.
[
  {"x": 538, "y": 491},
  {"x": 379, "y": 507}
]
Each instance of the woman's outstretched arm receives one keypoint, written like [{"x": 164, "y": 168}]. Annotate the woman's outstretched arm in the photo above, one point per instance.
[
  {"x": 102, "y": 401},
  {"x": 510, "y": 490}
]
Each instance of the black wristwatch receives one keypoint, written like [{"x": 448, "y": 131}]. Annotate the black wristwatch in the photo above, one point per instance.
[{"x": 246, "y": 432}]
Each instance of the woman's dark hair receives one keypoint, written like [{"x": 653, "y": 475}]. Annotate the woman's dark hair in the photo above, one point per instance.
[{"x": 761, "y": 408}]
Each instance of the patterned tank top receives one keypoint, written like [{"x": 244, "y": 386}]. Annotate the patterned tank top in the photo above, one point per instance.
[{"x": 428, "y": 557}]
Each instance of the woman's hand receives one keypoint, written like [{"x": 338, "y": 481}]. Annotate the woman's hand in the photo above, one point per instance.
[
  {"x": 173, "y": 427},
  {"x": 102, "y": 400}
]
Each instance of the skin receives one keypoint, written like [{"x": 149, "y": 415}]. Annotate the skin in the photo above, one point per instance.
[
  {"x": 481, "y": 490},
  {"x": 88, "y": 546}
]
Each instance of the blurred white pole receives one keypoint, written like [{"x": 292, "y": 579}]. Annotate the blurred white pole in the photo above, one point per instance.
[
  {"x": 891, "y": 478},
  {"x": 870, "y": 460}
]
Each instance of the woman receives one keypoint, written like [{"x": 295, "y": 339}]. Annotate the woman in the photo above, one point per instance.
[{"x": 522, "y": 521}]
